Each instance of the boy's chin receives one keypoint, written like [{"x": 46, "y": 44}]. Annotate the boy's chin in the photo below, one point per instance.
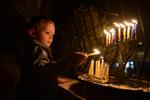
[{"x": 48, "y": 45}]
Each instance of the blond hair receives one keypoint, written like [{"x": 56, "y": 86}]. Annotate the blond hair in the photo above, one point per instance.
[{"x": 36, "y": 22}]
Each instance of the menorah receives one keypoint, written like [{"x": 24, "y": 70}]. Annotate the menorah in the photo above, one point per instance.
[
  {"x": 123, "y": 41},
  {"x": 120, "y": 46}
]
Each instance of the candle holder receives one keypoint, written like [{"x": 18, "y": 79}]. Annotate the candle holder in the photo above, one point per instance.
[
  {"x": 124, "y": 52},
  {"x": 120, "y": 47}
]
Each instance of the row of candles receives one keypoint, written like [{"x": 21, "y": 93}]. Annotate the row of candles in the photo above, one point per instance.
[
  {"x": 121, "y": 32},
  {"x": 99, "y": 69}
]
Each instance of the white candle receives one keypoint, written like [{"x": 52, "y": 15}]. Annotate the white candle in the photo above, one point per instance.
[
  {"x": 107, "y": 39},
  {"x": 119, "y": 31},
  {"x": 91, "y": 68},
  {"x": 124, "y": 34},
  {"x": 113, "y": 38},
  {"x": 102, "y": 63},
  {"x": 97, "y": 69},
  {"x": 101, "y": 68},
  {"x": 128, "y": 32},
  {"x": 134, "y": 28},
  {"x": 124, "y": 31}
]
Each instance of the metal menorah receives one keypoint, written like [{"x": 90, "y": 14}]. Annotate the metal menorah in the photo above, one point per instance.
[{"x": 121, "y": 46}]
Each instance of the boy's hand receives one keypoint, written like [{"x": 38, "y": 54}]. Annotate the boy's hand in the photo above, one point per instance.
[
  {"x": 75, "y": 59},
  {"x": 78, "y": 58}
]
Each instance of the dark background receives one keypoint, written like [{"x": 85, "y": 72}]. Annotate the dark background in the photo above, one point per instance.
[{"x": 15, "y": 14}]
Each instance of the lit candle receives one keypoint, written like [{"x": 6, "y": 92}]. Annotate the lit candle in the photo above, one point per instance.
[
  {"x": 124, "y": 31},
  {"x": 128, "y": 29},
  {"x": 134, "y": 28},
  {"x": 128, "y": 32},
  {"x": 119, "y": 33},
  {"x": 119, "y": 30},
  {"x": 113, "y": 38},
  {"x": 96, "y": 52},
  {"x": 107, "y": 41}
]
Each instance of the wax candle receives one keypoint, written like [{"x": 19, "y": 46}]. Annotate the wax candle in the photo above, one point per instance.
[
  {"x": 124, "y": 31},
  {"x": 128, "y": 32},
  {"x": 97, "y": 69},
  {"x": 91, "y": 68},
  {"x": 134, "y": 28},
  {"x": 119, "y": 33},
  {"x": 107, "y": 37},
  {"x": 101, "y": 67},
  {"x": 113, "y": 38},
  {"x": 102, "y": 62},
  {"x": 105, "y": 73},
  {"x": 118, "y": 30},
  {"x": 128, "y": 29}
]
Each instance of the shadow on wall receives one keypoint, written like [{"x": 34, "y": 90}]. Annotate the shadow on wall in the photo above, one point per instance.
[
  {"x": 9, "y": 75},
  {"x": 12, "y": 26}
]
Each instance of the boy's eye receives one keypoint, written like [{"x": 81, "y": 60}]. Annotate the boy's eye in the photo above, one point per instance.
[{"x": 47, "y": 32}]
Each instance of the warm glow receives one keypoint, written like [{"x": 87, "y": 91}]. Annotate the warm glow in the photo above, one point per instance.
[
  {"x": 112, "y": 30},
  {"x": 106, "y": 32},
  {"x": 116, "y": 24},
  {"x": 126, "y": 23},
  {"x": 96, "y": 52},
  {"x": 131, "y": 24},
  {"x": 134, "y": 21},
  {"x": 122, "y": 25},
  {"x": 102, "y": 57}
]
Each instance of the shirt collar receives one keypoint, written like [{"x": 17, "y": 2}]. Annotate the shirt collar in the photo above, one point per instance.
[{"x": 40, "y": 43}]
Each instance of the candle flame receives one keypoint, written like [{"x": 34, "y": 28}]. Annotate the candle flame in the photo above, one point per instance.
[
  {"x": 116, "y": 24},
  {"x": 131, "y": 24},
  {"x": 112, "y": 30},
  {"x": 106, "y": 32},
  {"x": 96, "y": 52},
  {"x": 126, "y": 23},
  {"x": 122, "y": 25},
  {"x": 134, "y": 21}
]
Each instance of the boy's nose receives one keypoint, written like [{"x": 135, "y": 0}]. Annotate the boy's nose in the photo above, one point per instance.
[{"x": 50, "y": 37}]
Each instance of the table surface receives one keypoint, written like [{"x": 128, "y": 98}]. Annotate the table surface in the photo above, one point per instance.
[
  {"x": 130, "y": 84},
  {"x": 67, "y": 82},
  {"x": 87, "y": 89}
]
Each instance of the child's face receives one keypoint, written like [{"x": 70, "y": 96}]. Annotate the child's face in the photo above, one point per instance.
[{"x": 45, "y": 34}]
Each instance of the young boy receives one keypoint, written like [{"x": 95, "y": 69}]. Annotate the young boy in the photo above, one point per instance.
[{"x": 38, "y": 70}]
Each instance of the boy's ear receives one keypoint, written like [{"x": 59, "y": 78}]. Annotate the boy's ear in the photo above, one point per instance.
[{"x": 32, "y": 32}]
